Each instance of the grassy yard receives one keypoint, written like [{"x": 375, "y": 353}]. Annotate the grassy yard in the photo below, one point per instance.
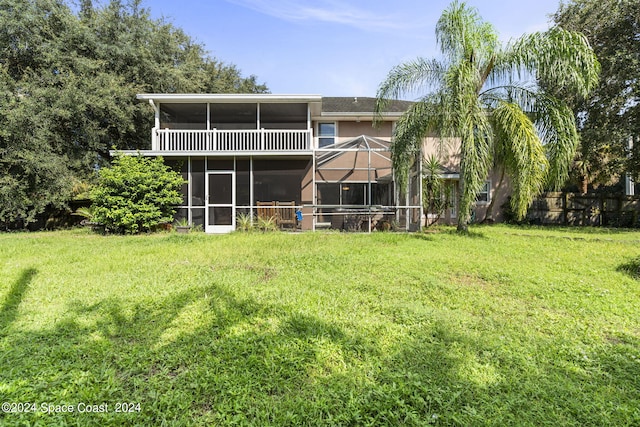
[{"x": 508, "y": 326}]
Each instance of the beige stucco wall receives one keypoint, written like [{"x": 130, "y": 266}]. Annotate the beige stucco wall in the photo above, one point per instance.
[
  {"x": 499, "y": 196},
  {"x": 352, "y": 129},
  {"x": 448, "y": 153},
  {"x": 446, "y": 150}
]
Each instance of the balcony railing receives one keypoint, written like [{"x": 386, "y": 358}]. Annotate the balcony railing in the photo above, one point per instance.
[{"x": 231, "y": 140}]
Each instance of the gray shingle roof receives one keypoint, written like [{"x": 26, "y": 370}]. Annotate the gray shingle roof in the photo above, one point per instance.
[{"x": 359, "y": 105}]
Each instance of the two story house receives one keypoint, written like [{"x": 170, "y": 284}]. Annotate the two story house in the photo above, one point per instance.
[{"x": 306, "y": 161}]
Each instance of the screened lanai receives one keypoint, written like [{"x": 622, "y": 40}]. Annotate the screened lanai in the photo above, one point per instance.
[{"x": 354, "y": 186}]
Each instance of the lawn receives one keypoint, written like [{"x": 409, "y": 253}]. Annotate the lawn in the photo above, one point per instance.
[{"x": 507, "y": 326}]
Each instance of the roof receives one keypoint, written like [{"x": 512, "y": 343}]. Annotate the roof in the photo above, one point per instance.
[
  {"x": 334, "y": 107},
  {"x": 227, "y": 97},
  {"x": 360, "y": 105}
]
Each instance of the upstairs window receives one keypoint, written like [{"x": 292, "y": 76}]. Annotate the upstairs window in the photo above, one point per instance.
[
  {"x": 484, "y": 195},
  {"x": 326, "y": 134}
]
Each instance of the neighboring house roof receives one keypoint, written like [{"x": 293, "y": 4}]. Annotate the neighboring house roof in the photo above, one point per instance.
[{"x": 360, "y": 105}]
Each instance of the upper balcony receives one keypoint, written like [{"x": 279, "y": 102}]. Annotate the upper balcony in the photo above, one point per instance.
[
  {"x": 256, "y": 123},
  {"x": 231, "y": 141}
]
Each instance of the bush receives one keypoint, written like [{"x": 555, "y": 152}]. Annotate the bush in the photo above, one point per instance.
[{"x": 136, "y": 194}]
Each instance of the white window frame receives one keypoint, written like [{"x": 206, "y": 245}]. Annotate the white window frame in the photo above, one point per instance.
[
  {"x": 486, "y": 189},
  {"x": 319, "y": 137}
]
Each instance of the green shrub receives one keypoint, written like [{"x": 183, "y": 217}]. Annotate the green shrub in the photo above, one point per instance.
[
  {"x": 267, "y": 224},
  {"x": 244, "y": 222},
  {"x": 136, "y": 194}
]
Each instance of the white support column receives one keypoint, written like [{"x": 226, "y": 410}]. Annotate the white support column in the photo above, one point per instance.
[
  {"x": 314, "y": 195},
  {"x": 369, "y": 183},
  {"x": 156, "y": 126},
  {"x": 420, "y": 194},
  {"x": 309, "y": 130},
  {"x": 251, "y": 193},
  {"x": 189, "y": 184},
  {"x": 629, "y": 185},
  {"x": 407, "y": 200}
]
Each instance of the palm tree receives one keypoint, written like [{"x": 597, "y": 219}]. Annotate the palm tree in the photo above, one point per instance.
[{"x": 474, "y": 94}]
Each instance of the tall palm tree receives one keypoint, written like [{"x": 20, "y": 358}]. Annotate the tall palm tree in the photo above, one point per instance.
[{"x": 475, "y": 93}]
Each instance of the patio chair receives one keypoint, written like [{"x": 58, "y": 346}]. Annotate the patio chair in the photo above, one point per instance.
[
  {"x": 287, "y": 214},
  {"x": 267, "y": 210}
]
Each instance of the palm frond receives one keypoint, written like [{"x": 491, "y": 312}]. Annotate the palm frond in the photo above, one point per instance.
[
  {"x": 408, "y": 78},
  {"x": 464, "y": 36},
  {"x": 562, "y": 58},
  {"x": 410, "y": 131},
  {"x": 524, "y": 156},
  {"x": 557, "y": 127},
  {"x": 524, "y": 94}
]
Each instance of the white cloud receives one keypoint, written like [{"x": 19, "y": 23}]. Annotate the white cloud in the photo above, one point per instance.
[{"x": 329, "y": 11}]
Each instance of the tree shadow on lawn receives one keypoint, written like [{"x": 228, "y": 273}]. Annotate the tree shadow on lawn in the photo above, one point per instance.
[
  {"x": 631, "y": 268},
  {"x": 9, "y": 310},
  {"x": 444, "y": 376},
  {"x": 205, "y": 357}
]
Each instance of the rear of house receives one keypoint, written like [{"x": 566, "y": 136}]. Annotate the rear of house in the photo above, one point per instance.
[{"x": 305, "y": 161}]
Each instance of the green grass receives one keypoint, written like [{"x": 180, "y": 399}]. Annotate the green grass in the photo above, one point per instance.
[{"x": 508, "y": 326}]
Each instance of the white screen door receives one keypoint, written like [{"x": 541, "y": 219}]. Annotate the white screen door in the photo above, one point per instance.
[{"x": 221, "y": 200}]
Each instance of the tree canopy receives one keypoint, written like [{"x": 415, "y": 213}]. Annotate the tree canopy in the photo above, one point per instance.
[
  {"x": 611, "y": 114},
  {"x": 478, "y": 92},
  {"x": 68, "y": 80}
]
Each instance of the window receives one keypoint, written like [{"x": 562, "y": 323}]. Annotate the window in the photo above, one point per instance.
[
  {"x": 484, "y": 195},
  {"x": 326, "y": 134}
]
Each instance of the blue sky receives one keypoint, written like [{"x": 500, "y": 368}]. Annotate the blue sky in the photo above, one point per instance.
[{"x": 330, "y": 47}]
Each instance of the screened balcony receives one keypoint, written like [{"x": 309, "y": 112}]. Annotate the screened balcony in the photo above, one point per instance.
[{"x": 232, "y": 127}]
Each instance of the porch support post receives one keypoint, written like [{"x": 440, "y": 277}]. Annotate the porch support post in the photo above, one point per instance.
[
  {"x": 309, "y": 134},
  {"x": 156, "y": 126},
  {"x": 314, "y": 196},
  {"x": 189, "y": 184},
  {"x": 251, "y": 202},
  {"x": 420, "y": 201},
  {"x": 369, "y": 181}
]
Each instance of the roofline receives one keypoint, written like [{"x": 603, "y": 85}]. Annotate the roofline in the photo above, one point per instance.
[
  {"x": 227, "y": 97},
  {"x": 335, "y": 114}
]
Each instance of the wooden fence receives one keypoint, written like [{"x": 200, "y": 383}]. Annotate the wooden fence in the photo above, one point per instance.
[{"x": 586, "y": 209}]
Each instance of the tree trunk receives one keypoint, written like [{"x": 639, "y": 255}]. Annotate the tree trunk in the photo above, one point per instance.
[
  {"x": 584, "y": 184},
  {"x": 488, "y": 216},
  {"x": 463, "y": 217}
]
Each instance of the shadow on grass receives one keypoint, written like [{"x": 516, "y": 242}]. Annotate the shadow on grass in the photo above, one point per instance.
[
  {"x": 631, "y": 268},
  {"x": 9, "y": 310},
  {"x": 203, "y": 356}
]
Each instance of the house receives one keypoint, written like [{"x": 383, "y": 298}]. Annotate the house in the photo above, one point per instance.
[{"x": 306, "y": 161}]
